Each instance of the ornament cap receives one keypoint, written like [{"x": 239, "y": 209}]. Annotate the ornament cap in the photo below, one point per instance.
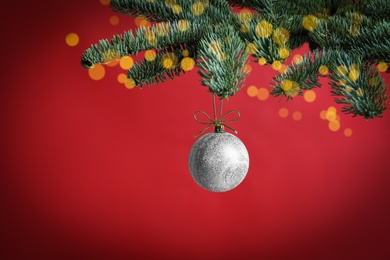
[{"x": 219, "y": 128}]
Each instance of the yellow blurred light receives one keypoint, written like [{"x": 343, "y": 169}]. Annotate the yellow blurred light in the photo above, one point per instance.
[
  {"x": 170, "y": 2},
  {"x": 126, "y": 62},
  {"x": 342, "y": 70},
  {"x": 343, "y": 82},
  {"x": 162, "y": 29},
  {"x": 348, "y": 132},
  {"x": 262, "y": 61},
  {"x": 323, "y": 70},
  {"x": 130, "y": 83},
  {"x": 283, "y": 112},
  {"x": 360, "y": 92},
  {"x": 150, "y": 55},
  {"x": 354, "y": 75},
  {"x": 310, "y": 22},
  {"x": 139, "y": 19},
  {"x": 309, "y": 96},
  {"x": 183, "y": 25},
  {"x": 354, "y": 66},
  {"x": 252, "y": 91},
  {"x": 298, "y": 59},
  {"x": 244, "y": 28},
  {"x": 382, "y": 66},
  {"x": 283, "y": 69},
  {"x": 330, "y": 116},
  {"x": 354, "y": 30},
  {"x": 323, "y": 114},
  {"x": 297, "y": 116},
  {"x": 286, "y": 84},
  {"x": 245, "y": 15},
  {"x": 114, "y": 20},
  {"x": 280, "y": 36},
  {"x": 122, "y": 78},
  {"x": 276, "y": 65},
  {"x": 72, "y": 39},
  {"x": 176, "y": 9},
  {"x": 247, "y": 69},
  {"x": 263, "y": 94},
  {"x": 197, "y": 8},
  {"x": 357, "y": 18},
  {"x": 263, "y": 29},
  {"x": 251, "y": 48},
  {"x": 373, "y": 82},
  {"x": 185, "y": 53},
  {"x": 187, "y": 64},
  {"x": 112, "y": 63},
  {"x": 105, "y": 2},
  {"x": 284, "y": 53},
  {"x": 97, "y": 72},
  {"x": 334, "y": 125}
]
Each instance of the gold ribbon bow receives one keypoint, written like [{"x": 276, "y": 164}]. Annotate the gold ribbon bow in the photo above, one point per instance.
[{"x": 218, "y": 123}]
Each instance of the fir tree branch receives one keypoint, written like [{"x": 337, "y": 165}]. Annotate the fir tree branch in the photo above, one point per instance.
[
  {"x": 221, "y": 60},
  {"x": 377, "y": 9},
  {"x": 350, "y": 39},
  {"x": 365, "y": 95},
  {"x": 370, "y": 38},
  {"x": 158, "y": 36},
  {"x": 153, "y": 72},
  {"x": 304, "y": 74},
  {"x": 357, "y": 83},
  {"x": 153, "y": 10}
]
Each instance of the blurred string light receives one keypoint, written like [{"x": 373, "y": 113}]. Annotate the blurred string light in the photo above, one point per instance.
[{"x": 126, "y": 62}]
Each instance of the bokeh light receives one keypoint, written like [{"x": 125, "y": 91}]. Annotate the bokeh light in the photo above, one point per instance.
[
  {"x": 72, "y": 39},
  {"x": 323, "y": 114},
  {"x": 97, "y": 72},
  {"x": 122, "y": 78},
  {"x": 263, "y": 94},
  {"x": 247, "y": 69},
  {"x": 283, "y": 112},
  {"x": 331, "y": 114},
  {"x": 298, "y": 59},
  {"x": 113, "y": 63},
  {"x": 309, "y": 96},
  {"x": 130, "y": 83},
  {"x": 297, "y": 115},
  {"x": 348, "y": 132},
  {"x": 114, "y": 20},
  {"x": 334, "y": 125},
  {"x": 105, "y": 2},
  {"x": 141, "y": 21},
  {"x": 126, "y": 62},
  {"x": 252, "y": 91}
]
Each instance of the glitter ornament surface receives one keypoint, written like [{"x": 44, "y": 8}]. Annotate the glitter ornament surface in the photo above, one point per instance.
[{"x": 218, "y": 161}]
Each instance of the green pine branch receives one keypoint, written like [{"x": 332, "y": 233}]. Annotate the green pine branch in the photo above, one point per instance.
[
  {"x": 150, "y": 72},
  {"x": 156, "y": 11},
  {"x": 221, "y": 60},
  {"x": 158, "y": 36},
  {"x": 349, "y": 42}
]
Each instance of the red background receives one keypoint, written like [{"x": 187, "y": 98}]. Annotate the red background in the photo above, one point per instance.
[{"x": 92, "y": 170}]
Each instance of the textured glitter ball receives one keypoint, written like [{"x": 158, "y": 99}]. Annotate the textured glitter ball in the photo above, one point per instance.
[{"x": 218, "y": 161}]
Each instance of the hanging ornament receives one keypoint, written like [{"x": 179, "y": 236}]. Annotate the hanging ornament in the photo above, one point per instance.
[{"x": 218, "y": 161}]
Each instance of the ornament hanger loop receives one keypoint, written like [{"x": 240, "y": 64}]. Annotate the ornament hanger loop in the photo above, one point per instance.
[{"x": 218, "y": 123}]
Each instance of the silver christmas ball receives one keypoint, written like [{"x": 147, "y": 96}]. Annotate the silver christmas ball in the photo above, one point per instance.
[{"x": 218, "y": 161}]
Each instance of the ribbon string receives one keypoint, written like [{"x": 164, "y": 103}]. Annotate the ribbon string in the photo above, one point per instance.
[{"x": 216, "y": 122}]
